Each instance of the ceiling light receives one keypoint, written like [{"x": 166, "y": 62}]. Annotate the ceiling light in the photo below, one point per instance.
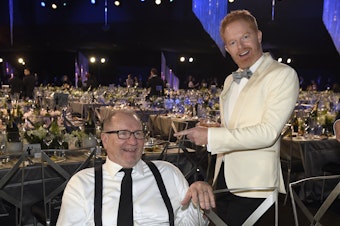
[
  {"x": 92, "y": 59},
  {"x": 182, "y": 59},
  {"x": 158, "y": 2},
  {"x": 102, "y": 60},
  {"x": 117, "y": 3},
  {"x": 54, "y": 6},
  {"x": 93, "y": 2},
  {"x": 279, "y": 59},
  {"x": 289, "y": 60},
  {"x": 191, "y": 59},
  {"x": 43, "y": 4}
]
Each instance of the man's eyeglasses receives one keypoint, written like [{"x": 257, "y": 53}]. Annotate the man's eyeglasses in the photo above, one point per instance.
[{"x": 126, "y": 134}]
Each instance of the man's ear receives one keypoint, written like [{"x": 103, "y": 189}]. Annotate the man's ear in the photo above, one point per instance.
[
  {"x": 259, "y": 36},
  {"x": 104, "y": 138},
  {"x": 226, "y": 48}
]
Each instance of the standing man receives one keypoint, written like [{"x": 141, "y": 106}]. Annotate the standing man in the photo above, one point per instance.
[
  {"x": 155, "y": 83},
  {"x": 123, "y": 138},
  {"x": 28, "y": 84},
  {"x": 254, "y": 109}
]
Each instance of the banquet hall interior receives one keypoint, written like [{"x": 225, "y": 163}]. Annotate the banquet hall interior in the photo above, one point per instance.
[{"x": 68, "y": 43}]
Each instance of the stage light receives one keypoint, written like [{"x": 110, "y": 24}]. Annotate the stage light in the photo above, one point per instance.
[
  {"x": 54, "y": 6},
  {"x": 92, "y": 59},
  {"x": 93, "y": 2},
  {"x": 117, "y": 3},
  {"x": 1, "y": 60},
  {"x": 43, "y": 4},
  {"x": 279, "y": 59},
  {"x": 289, "y": 60},
  {"x": 182, "y": 59},
  {"x": 191, "y": 59},
  {"x": 21, "y": 61},
  {"x": 158, "y": 2},
  {"x": 102, "y": 60}
]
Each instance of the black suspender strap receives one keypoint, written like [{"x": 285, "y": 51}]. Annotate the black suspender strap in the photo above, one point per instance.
[
  {"x": 98, "y": 195},
  {"x": 163, "y": 191}
]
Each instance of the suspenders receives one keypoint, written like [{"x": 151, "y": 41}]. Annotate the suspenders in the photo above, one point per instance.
[{"x": 98, "y": 195}]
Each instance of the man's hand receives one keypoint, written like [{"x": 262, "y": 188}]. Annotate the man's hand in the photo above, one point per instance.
[
  {"x": 198, "y": 135},
  {"x": 201, "y": 193}
]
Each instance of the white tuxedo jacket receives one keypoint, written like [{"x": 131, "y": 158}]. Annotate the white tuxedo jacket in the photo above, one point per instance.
[{"x": 250, "y": 144}]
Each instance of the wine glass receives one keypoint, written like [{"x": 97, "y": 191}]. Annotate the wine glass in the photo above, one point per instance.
[
  {"x": 60, "y": 142},
  {"x": 48, "y": 139}
]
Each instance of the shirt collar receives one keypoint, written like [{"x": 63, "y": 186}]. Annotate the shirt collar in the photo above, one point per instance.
[
  {"x": 113, "y": 168},
  {"x": 257, "y": 64}
]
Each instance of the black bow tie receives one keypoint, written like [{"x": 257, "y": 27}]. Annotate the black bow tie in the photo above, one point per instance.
[{"x": 238, "y": 75}]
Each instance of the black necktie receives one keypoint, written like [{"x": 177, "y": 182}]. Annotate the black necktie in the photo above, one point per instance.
[
  {"x": 238, "y": 75},
  {"x": 125, "y": 211}
]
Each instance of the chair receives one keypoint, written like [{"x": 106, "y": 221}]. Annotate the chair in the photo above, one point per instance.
[
  {"x": 16, "y": 201},
  {"x": 289, "y": 164},
  {"x": 313, "y": 219},
  {"x": 255, "y": 216},
  {"x": 197, "y": 171},
  {"x": 332, "y": 168},
  {"x": 177, "y": 125},
  {"x": 46, "y": 211}
]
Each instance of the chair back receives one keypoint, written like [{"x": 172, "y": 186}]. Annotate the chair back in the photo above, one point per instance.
[
  {"x": 176, "y": 126},
  {"x": 52, "y": 196},
  {"x": 17, "y": 199},
  {"x": 272, "y": 199},
  {"x": 314, "y": 219}
]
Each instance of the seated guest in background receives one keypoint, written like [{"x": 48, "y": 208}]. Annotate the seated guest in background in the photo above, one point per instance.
[
  {"x": 79, "y": 82},
  {"x": 129, "y": 81},
  {"x": 90, "y": 83},
  {"x": 337, "y": 127},
  {"x": 15, "y": 83},
  {"x": 192, "y": 84},
  {"x": 155, "y": 83},
  {"x": 123, "y": 138},
  {"x": 137, "y": 82},
  {"x": 65, "y": 82}
]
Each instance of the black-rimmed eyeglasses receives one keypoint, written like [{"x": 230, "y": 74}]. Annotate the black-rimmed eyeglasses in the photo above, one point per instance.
[{"x": 126, "y": 134}]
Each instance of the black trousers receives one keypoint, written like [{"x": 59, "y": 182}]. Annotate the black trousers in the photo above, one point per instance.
[{"x": 232, "y": 209}]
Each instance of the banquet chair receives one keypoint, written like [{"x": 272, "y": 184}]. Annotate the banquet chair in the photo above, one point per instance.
[
  {"x": 316, "y": 218},
  {"x": 331, "y": 168},
  {"x": 17, "y": 200},
  {"x": 176, "y": 126},
  {"x": 195, "y": 168},
  {"x": 47, "y": 210},
  {"x": 272, "y": 199},
  {"x": 289, "y": 164}
]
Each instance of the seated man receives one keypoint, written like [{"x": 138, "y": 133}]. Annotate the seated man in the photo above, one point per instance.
[
  {"x": 123, "y": 139},
  {"x": 337, "y": 127}
]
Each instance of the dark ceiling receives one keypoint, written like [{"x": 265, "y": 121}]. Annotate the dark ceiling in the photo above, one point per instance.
[{"x": 137, "y": 30}]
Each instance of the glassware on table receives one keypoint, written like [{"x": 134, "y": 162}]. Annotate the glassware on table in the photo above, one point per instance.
[
  {"x": 3, "y": 149},
  {"x": 48, "y": 139},
  {"x": 61, "y": 147}
]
